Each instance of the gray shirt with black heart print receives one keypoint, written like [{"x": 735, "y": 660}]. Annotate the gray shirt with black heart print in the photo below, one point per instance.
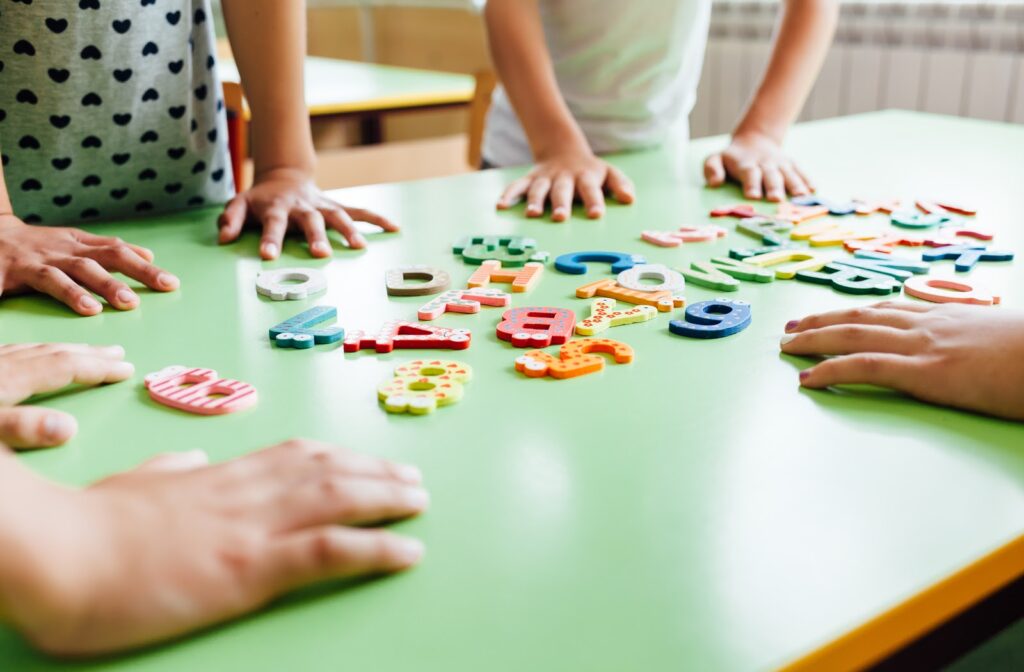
[{"x": 110, "y": 109}]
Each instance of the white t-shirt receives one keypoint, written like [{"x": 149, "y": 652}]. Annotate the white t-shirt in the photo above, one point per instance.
[{"x": 628, "y": 70}]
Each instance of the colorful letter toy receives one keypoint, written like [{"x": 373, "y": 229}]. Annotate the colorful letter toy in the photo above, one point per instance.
[
  {"x": 966, "y": 256},
  {"x": 949, "y": 235},
  {"x": 404, "y": 335},
  {"x": 667, "y": 279},
  {"x": 511, "y": 251},
  {"x": 808, "y": 229},
  {"x": 837, "y": 208},
  {"x": 958, "y": 208},
  {"x": 851, "y": 280},
  {"x": 664, "y": 301},
  {"x": 942, "y": 290},
  {"x": 839, "y": 236},
  {"x": 743, "y": 253},
  {"x": 707, "y": 274},
  {"x": 685, "y": 234},
  {"x": 536, "y": 327},
  {"x": 280, "y": 284},
  {"x": 574, "y": 359},
  {"x": 767, "y": 231},
  {"x": 712, "y": 319},
  {"x": 883, "y": 242},
  {"x": 795, "y": 261},
  {"x": 522, "y": 279},
  {"x": 434, "y": 281},
  {"x": 916, "y": 220},
  {"x": 463, "y": 301},
  {"x": 604, "y": 315},
  {"x": 792, "y": 212},
  {"x": 740, "y": 270},
  {"x": 739, "y": 210},
  {"x": 900, "y": 268},
  {"x": 199, "y": 391},
  {"x": 575, "y": 263},
  {"x": 866, "y": 207},
  {"x": 422, "y": 385},
  {"x": 300, "y": 332}
]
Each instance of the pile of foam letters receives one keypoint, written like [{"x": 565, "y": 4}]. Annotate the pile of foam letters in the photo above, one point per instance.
[{"x": 794, "y": 243}]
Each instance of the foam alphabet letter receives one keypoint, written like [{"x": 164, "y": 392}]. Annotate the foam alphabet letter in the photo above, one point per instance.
[
  {"x": 434, "y": 280},
  {"x": 966, "y": 256},
  {"x": 574, "y": 359},
  {"x": 199, "y": 391},
  {"x": 280, "y": 284},
  {"x": 404, "y": 335},
  {"x": 420, "y": 386},
  {"x": 940, "y": 290},
  {"x": 706, "y": 274},
  {"x": 604, "y": 315},
  {"x": 511, "y": 251},
  {"x": 522, "y": 279},
  {"x": 739, "y": 269},
  {"x": 301, "y": 332},
  {"x": 575, "y": 263},
  {"x": 664, "y": 301},
  {"x": 536, "y": 327},
  {"x": 713, "y": 319},
  {"x": 668, "y": 280},
  {"x": 795, "y": 260},
  {"x": 851, "y": 280},
  {"x": 463, "y": 301}
]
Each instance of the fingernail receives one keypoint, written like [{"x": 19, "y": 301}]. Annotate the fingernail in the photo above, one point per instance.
[
  {"x": 88, "y": 303},
  {"x": 408, "y": 551},
  {"x": 270, "y": 250},
  {"x": 786, "y": 339},
  {"x": 126, "y": 296},
  {"x": 804, "y": 374},
  {"x": 408, "y": 473},
  {"x": 792, "y": 324},
  {"x": 167, "y": 281},
  {"x": 559, "y": 212},
  {"x": 122, "y": 370},
  {"x": 57, "y": 427},
  {"x": 358, "y": 240},
  {"x": 595, "y": 212},
  {"x": 416, "y": 498},
  {"x": 320, "y": 247},
  {"x": 114, "y": 350}
]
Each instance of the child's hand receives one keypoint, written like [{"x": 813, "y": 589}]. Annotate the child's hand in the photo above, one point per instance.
[
  {"x": 560, "y": 178},
  {"x": 29, "y": 369},
  {"x": 285, "y": 198},
  {"x": 756, "y": 161},
  {"x": 176, "y": 545},
  {"x": 970, "y": 357},
  {"x": 65, "y": 263}
]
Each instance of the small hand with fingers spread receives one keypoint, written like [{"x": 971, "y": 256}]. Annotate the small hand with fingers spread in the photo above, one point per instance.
[
  {"x": 757, "y": 162},
  {"x": 30, "y": 369},
  {"x": 69, "y": 264},
  {"x": 283, "y": 199},
  {"x": 176, "y": 544},
  {"x": 561, "y": 178},
  {"x": 969, "y": 357}
]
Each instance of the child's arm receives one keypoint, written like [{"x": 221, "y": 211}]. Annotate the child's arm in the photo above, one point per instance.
[
  {"x": 177, "y": 545},
  {"x": 34, "y": 368},
  {"x": 566, "y": 166},
  {"x": 969, "y": 357},
  {"x": 268, "y": 38},
  {"x": 69, "y": 263},
  {"x": 755, "y": 158}
]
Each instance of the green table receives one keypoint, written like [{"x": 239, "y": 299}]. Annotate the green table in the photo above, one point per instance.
[{"x": 692, "y": 509}]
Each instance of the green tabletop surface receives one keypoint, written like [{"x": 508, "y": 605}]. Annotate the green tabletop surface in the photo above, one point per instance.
[
  {"x": 334, "y": 86},
  {"x": 694, "y": 509}
]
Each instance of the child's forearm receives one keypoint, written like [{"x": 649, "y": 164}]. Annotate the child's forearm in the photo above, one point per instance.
[
  {"x": 804, "y": 35},
  {"x": 524, "y": 66},
  {"x": 270, "y": 47}
]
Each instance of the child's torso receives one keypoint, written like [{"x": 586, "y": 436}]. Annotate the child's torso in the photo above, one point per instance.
[
  {"x": 110, "y": 108},
  {"x": 627, "y": 70}
]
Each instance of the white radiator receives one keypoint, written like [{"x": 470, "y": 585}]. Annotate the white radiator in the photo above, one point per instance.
[{"x": 960, "y": 58}]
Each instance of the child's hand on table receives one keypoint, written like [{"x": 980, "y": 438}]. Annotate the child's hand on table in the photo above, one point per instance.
[
  {"x": 560, "y": 178},
  {"x": 30, "y": 369},
  {"x": 970, "y": 357},
  {"x": 284, "y": 198},
  {"x": 69, "y": 264},
  {"x": 757, "y": 162},
  {"x": 176, "y": 544}
]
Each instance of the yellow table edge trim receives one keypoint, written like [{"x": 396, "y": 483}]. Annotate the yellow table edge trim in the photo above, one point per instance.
[
  {"x": 888, "y": 632},
  {"x": 387, "y": 103}
]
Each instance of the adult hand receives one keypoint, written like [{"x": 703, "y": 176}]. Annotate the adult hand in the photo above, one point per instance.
[{"x": 970, "y": 357}]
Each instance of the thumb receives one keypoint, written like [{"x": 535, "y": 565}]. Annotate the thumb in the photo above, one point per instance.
[
  {"x": 714, "y": 171},
  {"x": 35, "y": 427}
]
